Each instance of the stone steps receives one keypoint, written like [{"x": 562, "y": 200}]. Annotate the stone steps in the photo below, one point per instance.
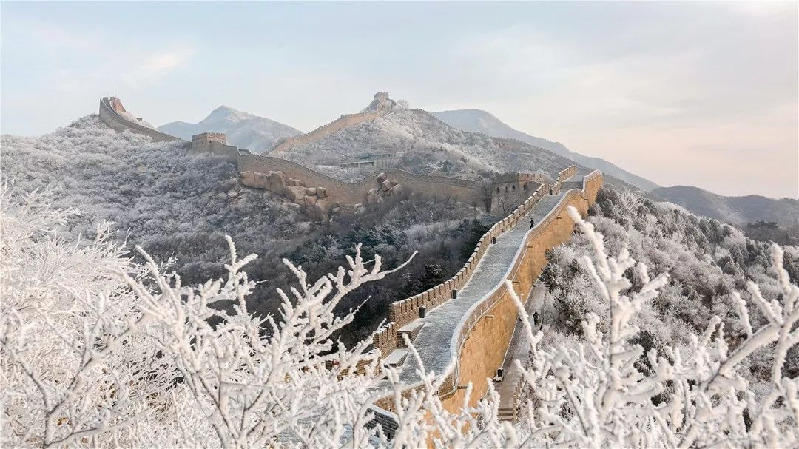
[
  {"x": 507, "y": 414},
  {"x": 411, "y": 330},
  {"x": 396, "y": 358}
]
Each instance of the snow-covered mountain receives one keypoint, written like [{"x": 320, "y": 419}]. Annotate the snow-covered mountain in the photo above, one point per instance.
[
  {"x": 244, "y": 130},
  {"x": 480, "y": 121},
  {"x": 737, "y": 210},
  {"x": 179, "y": 205},
  {"x": 416, "y": 141}
]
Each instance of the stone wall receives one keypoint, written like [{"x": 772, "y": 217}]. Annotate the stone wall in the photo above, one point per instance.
[
  {"x": 387, "y": 421},
  {"x": 338, "y": 192},
  {"x": 109, "y": 115},
  {"x": 325, "y": 130},
  {"x": 483, "y": 338},
  {"x": 563, "y": 176},
  {"x": 255, "y": 170},
  {"x": 407, "y": 310},
  {"x": 505, "y": 196}
]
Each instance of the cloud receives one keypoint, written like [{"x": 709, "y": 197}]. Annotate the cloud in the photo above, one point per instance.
[
  {"x": 153, "y": 66},
  {"x": 90, "y": 56},
  {"x": 765, "y": 9},
  {"x": 163, "y": 61},
  {"x": 719, "y": 91}
]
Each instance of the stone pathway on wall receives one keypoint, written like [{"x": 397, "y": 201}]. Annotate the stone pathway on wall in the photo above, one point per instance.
[
  {"x": 434, "y": 340},
  {"x": 518, "y": 348}
]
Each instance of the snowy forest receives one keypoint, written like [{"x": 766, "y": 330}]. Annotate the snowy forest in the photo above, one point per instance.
[
  {"x": 151, "y": 301},
  {"x": 179, "y": 207},
  {"x": 101, "y": 350}
]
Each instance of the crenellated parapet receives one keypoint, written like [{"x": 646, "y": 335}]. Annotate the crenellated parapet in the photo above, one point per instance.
[
  {"x": 264, "y": 172},
  {"x": 478, "y": 341},
  {"x": 485, "y": 331},
  {"x": 511, "y": 189},
  {"x": 402, "y": 313}
]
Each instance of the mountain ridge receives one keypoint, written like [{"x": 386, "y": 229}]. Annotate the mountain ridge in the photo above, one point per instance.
[
  {"x": 737, "y": 210},
  {"x": 416, "y": 141},
  {"x": 243, "y": 129},
  {"x": 478, "y": 120}
]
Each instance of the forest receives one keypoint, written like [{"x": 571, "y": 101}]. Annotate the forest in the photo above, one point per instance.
[{"x": 150, "y": 300}]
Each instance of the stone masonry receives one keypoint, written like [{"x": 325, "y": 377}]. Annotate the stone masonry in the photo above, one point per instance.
[{"x": 478, "y": 340}]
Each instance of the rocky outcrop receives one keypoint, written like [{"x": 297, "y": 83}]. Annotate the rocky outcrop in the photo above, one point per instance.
[
  {"x": 294, "y": 190},
  {"x": 384, "y": 189}
]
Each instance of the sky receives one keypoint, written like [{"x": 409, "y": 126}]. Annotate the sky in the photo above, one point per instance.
[{"x": 680, "y": 93}]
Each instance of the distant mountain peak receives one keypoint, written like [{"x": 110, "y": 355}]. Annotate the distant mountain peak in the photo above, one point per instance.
[
  {"x": 478, "y": 120},
  {"x": 228, "y": 114},
  {"x": 737, "y": 210},
  {"x": 243, "y": 129}
]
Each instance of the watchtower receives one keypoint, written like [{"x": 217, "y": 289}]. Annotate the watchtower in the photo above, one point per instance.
[{"x": 215, "y": 143}]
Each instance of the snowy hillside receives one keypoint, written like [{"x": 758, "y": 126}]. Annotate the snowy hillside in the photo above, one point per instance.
[
  {"x": 179, "y": 206},
  {"x": 737, "y": 210},
  {"x": 682, "y": 328},
  {"x": 707, "y": 263},
  {"x": 477, "y": 120},
  {"x": 645, "y": 359},
  {"x": 243, "y": 129},
  {"x": 416, "y": 141}
]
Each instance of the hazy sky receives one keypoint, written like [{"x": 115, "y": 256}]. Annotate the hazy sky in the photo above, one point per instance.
[{"x": 681, "y": 93}]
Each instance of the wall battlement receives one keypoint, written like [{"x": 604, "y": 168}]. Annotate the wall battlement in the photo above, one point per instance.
[{"x": 405, "y": 311}]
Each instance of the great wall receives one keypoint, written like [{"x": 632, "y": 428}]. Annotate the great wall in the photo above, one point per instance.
[
  {"x": 113, "y": 114},
  {"x": 319, "y": 193},
  {"x": 463, "y": 327},
  {"x": 379, "y": 106}
]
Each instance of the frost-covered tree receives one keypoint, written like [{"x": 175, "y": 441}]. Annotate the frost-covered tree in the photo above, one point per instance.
[
  {"x": 72, "y": 369},
  {"x": 99, "y": 351}
]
